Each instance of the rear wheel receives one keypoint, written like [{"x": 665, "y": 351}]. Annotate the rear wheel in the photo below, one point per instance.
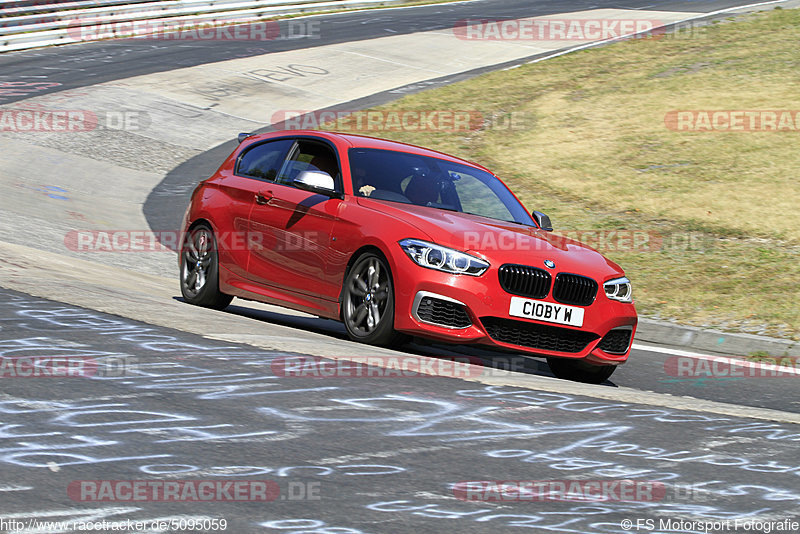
[
  {"x": 200, "y": 269},
  {"x": 580, "y": 371},
  {"x": 368, "y": 302}
]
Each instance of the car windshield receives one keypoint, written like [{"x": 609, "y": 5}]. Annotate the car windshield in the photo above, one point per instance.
[{"x": 432, "y": 182}]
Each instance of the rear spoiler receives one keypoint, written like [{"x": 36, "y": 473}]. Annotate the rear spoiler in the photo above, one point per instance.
[{"x": 243, "y": 136}]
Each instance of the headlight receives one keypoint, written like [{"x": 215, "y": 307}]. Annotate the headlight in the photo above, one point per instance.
[
  {"x": 442, "y": 258},
  {"x": 619, "y": 289}
]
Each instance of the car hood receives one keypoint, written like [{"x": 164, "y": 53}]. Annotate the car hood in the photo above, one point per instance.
[{"x": 498, "y": 241}]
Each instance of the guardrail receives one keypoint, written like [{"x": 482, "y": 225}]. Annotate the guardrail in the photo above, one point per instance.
[
  {"x": 130, "y": 12},
  {"x": 18, "y": 9},
  {"x": 46, "y": 24}
]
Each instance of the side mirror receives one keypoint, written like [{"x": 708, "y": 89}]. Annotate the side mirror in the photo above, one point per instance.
[
  {"x": 242, "y": 136},
  {"x": 542, "y": 221},
  {"x": 317, "y": 182}
]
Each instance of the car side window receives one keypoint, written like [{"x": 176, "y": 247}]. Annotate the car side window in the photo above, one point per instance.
[
  {"x": 381, "y": 174},
  {"x": 263, "y": 161},
  {"x": 309, "y": 155}
]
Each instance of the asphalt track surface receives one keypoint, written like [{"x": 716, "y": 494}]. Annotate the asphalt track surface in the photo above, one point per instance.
[
  {"x": 92, "y": 63},
  {"x": 82, "y": 65},
  {"x": 365, "y": 453},
  {"x": 649, "y": 368},
  {"x": 359, "y": 454}
]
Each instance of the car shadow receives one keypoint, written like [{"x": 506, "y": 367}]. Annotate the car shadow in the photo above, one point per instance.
[
  {"x": 506, "y": 361},
  {"x": 302, "y": 208}
]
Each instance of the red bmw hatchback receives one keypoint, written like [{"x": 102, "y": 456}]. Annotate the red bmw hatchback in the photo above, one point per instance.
[{"x": 394, "y": 239}]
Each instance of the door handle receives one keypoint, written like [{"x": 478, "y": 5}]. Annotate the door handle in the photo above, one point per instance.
[{"x": 263, "y": 197}]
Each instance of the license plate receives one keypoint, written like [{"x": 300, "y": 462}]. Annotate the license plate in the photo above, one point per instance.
[{"x": 546, "y": 311}]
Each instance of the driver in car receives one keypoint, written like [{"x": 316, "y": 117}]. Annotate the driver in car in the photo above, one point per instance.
[{"x": 422, "y": 189}]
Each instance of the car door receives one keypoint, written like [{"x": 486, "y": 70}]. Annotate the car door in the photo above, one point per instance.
[
  {"x": 296, "y": 225},
  {"x": 255, "y": 166}
]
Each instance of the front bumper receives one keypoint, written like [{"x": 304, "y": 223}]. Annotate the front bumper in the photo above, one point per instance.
[{"x": 469, "y": 309}]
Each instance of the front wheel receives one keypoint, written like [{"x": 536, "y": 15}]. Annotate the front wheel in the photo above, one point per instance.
[
  {"x": 580, "y": 371},
  {"x": 368, "y": 302},
  {"x": 200, "y": 270}
]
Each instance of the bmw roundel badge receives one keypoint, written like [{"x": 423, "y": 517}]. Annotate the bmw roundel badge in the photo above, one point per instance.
[{"x": 550, "y": 263}]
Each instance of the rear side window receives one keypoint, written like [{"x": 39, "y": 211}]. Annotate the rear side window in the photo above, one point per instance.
[{"x": 264, "y": 160}]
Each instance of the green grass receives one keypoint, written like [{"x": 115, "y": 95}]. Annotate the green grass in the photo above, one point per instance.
[{"x": 594, "y": 153}]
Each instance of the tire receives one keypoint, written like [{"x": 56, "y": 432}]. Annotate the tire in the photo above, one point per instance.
[
  {"x": 368, "y": 302},
  {"x": 200, "y": 269},
  {"x": 580, "y": 371}
]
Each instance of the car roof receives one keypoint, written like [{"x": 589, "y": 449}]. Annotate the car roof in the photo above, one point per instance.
[{"x": 365, "y": 141}]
